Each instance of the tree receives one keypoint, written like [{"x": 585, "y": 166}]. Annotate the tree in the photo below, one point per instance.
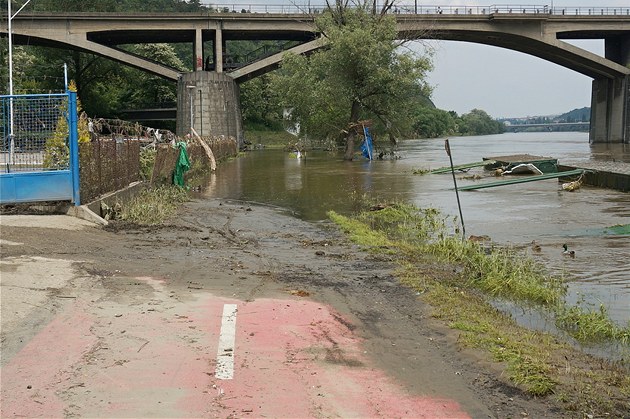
[
  {"x": 257, "y": 106},
  {"x": 362, "y": 73},
  {"x": 56, "y": 151},
  {"x": 430, "y": 122},
  {"x": 478, "y": 122},
  {"x": 149, "y": 89},
  {"x": 23, "y": 60}
]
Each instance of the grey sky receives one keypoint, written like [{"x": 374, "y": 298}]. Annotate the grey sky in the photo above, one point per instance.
[{"x": 504, "y": 83}]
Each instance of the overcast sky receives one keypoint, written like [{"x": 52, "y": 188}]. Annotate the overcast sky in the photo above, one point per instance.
[
  {"x": 502, "y": 82},
  {"x": 506, "y": 83}
]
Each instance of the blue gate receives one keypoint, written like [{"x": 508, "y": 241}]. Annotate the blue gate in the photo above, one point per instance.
[{"x": 39, "y": 152}]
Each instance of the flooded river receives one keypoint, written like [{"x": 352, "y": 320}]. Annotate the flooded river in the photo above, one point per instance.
[{"x": 511, "y": 215}]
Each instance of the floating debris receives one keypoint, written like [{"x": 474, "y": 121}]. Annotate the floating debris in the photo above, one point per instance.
[
  {"x": 509, "y": 163},
  {"x": 573, "y": 186}
]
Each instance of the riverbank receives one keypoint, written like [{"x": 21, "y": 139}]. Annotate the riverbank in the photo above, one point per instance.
[
  {"x": 512, "y": 216},
  {"x": 270, "y": 139},
  {"x": 462, "y": 281},
  {"x": 339, "y": 327},
  {"x": 320, "y": 313}
]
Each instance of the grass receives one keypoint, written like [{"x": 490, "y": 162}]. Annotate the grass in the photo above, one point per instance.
[
  {"x": 271, "y": 139},
  {"x": 483, "y": 327},
  {"x": 421, "y": 171},
  {"x": 590, "y": 325},
  {"x": 458, "y": 277},
  {"x": 416, "y": 232},
  {"x": 153, "y": 206},
  {"x": 147, "y": 162}
]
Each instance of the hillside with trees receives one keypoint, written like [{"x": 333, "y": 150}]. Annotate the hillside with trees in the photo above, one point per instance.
[{"x": 575, "y": 120}]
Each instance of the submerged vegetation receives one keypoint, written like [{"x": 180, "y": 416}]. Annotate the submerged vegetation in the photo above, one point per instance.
[
  {"x": 460, "y": 278},
  {"x": 422, "y": 233}
]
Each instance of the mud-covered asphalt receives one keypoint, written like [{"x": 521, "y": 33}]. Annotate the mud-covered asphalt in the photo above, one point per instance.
[{"x": 126, "y": 321}]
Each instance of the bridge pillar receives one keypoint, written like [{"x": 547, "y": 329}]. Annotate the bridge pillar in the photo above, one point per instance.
[
  {"x": 198, "y": 50},
  {"x": 209, "y": 102},
  {"x": 218, "y": 50},
  {"x": 617, "y": 49},
  {"x": 610, "y": 111}
]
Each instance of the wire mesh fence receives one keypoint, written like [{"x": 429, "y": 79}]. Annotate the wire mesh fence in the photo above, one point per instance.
[
  {"x": 34, "y": 131},
  {"x": 107, "y": 165}
]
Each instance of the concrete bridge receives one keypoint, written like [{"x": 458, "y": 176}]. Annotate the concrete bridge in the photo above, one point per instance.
[
  {"x": 208, "y": 100},
  {"x": 553, "y": 126}
]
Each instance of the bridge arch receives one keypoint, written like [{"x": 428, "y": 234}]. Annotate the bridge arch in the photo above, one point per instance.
[{"x": 528, "y": 31}]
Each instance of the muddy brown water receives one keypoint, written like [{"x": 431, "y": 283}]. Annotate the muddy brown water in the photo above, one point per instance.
[{"x": 511, "y": 215}]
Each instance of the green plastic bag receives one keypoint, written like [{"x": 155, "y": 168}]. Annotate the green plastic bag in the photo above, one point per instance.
[{"x": 182, "y": 165}]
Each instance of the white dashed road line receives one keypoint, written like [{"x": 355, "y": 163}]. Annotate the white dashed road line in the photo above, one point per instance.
[{"x": 225, "y": 353}]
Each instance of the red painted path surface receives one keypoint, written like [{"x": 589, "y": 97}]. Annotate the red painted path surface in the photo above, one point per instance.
[{"x": 293, "y": 358}]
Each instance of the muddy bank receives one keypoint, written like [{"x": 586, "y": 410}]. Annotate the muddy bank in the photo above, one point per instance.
[{"x": 241, "y": 252}]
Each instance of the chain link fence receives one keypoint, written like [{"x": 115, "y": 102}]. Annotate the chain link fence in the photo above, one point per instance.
[
  {"x": 107, "y": 165},
  {"x": 34, "y": 133}
]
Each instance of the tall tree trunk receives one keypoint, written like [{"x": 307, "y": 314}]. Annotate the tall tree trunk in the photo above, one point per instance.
[{"x": 352, "y": 131}]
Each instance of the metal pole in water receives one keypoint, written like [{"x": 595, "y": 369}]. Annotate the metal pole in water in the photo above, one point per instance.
[{"x": 447, "y": 147}]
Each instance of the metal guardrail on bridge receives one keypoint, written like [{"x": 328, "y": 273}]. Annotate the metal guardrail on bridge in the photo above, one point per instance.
[{"x": 415, "y": 8}]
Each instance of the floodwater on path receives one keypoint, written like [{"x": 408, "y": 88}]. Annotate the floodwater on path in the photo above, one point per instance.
[{"x": 511, "y": 215}]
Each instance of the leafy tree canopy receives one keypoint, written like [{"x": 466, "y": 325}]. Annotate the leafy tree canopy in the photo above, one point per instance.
[
  {"x": 478, "y": 122},
  {"x": 362, "y": 73}
]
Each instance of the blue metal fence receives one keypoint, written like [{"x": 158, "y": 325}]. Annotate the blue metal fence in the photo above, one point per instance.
[{"x": 39, "y": 158}]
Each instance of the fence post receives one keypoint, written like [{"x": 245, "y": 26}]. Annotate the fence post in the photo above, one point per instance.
[{"x": 73, "y": 139}]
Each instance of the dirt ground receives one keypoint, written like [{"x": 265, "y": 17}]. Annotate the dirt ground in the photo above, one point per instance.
[{"x": 93, "y": 318}]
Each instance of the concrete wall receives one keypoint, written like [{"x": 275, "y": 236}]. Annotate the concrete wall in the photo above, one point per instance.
[{"x": 216, "y": 108}]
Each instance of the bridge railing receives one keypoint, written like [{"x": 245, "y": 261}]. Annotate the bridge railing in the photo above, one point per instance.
[
  {"x": 412, "y": 7},
  {"x": 592, "y": 11}
]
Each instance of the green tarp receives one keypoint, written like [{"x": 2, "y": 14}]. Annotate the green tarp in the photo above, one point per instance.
[
  {"x": 622, "y": 229},
  {"x": 182, "y": 165}
]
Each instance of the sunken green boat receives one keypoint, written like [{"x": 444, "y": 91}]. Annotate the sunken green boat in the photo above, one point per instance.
[{"x": 510, "y": 163}]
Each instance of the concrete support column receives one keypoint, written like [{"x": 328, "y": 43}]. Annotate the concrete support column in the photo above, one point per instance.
[
  {"x": 198, "y": 51},
  {"x": 617, "y": 49},
  {"x": 610, "y": 111},
  {"x": 218, "y": 50},
  {"x": 610, "y": 102},
  {"x": 210, "y": 102}
]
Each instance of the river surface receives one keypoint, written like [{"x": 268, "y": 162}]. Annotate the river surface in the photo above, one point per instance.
[{"x": 512, "y": 215}]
